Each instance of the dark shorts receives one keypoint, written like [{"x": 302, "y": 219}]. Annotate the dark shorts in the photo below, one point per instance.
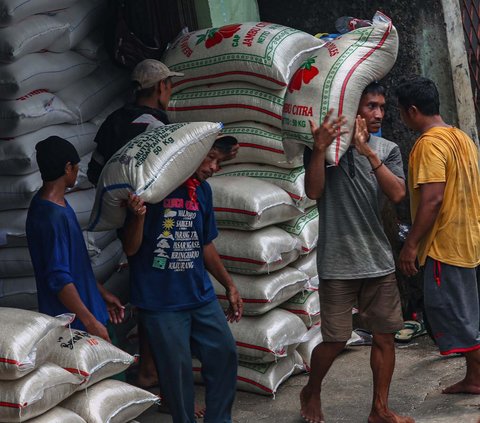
[
  {"x": 378, "y": 301},
  {"x": 452, "y": 305}
]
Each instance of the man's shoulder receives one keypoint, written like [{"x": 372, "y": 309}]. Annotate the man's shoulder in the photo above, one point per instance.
[{"x": 382, "y": 142}]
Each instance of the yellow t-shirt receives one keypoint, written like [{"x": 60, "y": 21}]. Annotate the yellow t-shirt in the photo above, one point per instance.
[{"x": 446, "y": 154}]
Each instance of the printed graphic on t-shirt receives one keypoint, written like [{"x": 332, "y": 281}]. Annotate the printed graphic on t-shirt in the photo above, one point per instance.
[{"x": 178, "y": 244}]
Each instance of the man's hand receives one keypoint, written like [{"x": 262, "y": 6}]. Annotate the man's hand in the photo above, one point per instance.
[
  {"x": 235, "y": 309},
  {"x": 406, "y": 260},
  {"x": 96, "y": 328},
  {"x": 136, "y": 205},
  {"x": 361, "y": 136},
  {"x": 324, "y": 134},
  {"x": 232, "y": 154},
  {"x": 116, "y": 311}
]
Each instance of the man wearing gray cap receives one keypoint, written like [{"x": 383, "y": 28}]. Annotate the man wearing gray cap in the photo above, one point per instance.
[{"x": 152, "y": 87}]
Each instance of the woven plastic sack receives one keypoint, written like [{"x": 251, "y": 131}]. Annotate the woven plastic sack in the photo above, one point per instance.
[
  {"x": 229, "y": 102},
  {"x": 262, "y": 53},
  {"x": 107, "y": 261},
  {"x": 305, "y": 305},
  {"x": 335, "y": 77},
  {"x": 110, "y": 401},
  {"x": 31, "y": 35},
  {"x": 15, "y": 262},
  {"x": 305, "y": 228},
  {"x": 254, "y": 253},
  {"x": 266, "y": 338},
  {"x": 115, "y": 104},
  {"x": 58, "y": 415},
  {"x": 89, "y": 357},
  {"x": 87, "y": 97},
  {"x": 290, "y": 180},
  {"x": 81, "y": 18},
  {"x": 97, "y": 241},
  {"x": 31, "y": 112},
  {"x": 248, "y": 204},
  {"x": 17, "y": 155},
  {"x": 262, "y": 293},
  {"x": 19, "y": 292},
  {"x": 119, "y": 284},
  {"x": 49, "y": 71},
  {"x": 308, "y": 264},
  {"x": 12, "y": 11},
  {"x": 92, "y": 46},
  {"x": 35, "y": 393},
  {"x": 151, "y": 165},
  {"x": 22, "y": 333},
  {"x": 260, "y": 378}
]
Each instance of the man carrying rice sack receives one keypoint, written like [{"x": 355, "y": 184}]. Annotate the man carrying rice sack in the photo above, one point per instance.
[
  {"x": 354, "y": 257},
  {"x": 63, "y": 272},
  {"x": 170, "y": 249}
]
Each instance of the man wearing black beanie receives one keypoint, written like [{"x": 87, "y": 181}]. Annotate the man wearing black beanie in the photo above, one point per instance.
[{"x": 63, "y": 272}]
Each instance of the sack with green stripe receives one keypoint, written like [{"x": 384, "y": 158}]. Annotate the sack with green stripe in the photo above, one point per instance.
[
  {"x": 151, "y": 165},
  {"x": 259, "y": 52},
  {"x": 334, "y": 77},
  {"x": 305, "y": 228},
  {"x": 228, "y": 102},
  {"x": 259, "y": 143}
]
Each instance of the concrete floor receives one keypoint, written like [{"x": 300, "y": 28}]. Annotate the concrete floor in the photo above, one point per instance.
[{"x": 419, "y": 377}]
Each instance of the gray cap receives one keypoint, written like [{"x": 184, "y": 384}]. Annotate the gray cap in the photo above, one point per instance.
[{"x": 150, "y": 71}]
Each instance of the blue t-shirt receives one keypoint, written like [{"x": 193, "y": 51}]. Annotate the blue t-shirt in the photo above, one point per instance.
[
  {"x": 168, "y": 273},
  {"x": 60, "y": 257}
]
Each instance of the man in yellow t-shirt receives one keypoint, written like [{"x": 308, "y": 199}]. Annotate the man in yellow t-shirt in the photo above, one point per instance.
[{"x": 444, "y": 185}]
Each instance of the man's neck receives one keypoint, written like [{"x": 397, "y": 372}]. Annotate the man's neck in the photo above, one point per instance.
[
  {"x": 53, "y": 191},
  {"x": 432, "y": 122}
]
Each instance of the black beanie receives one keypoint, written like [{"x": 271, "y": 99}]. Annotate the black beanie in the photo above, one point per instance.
[{"x": 53, "y": 153}]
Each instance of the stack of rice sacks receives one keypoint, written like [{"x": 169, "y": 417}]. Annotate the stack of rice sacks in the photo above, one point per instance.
[
  {"x": 55, "y": 79},
  {"x": 232, "y": 71},
  {"x": 267, "y": 226},
  {"x": 50, "y": 373}
]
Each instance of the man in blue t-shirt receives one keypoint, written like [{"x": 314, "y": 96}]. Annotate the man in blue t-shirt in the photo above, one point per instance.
[
  {"x": 170, "y": 249},
  {"x": 63, "y": 272}
]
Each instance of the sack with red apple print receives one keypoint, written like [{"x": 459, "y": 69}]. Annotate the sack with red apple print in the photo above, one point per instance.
[
  {"x": 334, "y": 77},
  {"x": 258, "y": 52}
]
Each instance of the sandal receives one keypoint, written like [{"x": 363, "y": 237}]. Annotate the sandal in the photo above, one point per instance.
[{"x": 411, "y": 329}]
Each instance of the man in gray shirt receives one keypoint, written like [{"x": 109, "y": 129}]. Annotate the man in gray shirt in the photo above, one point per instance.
[{"x": 354, "y": 257}]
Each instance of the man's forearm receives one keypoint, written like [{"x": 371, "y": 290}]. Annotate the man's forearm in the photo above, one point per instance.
[
  {"x": 132, "y": 234},
  {"x": 315, "y": 175},
  {"x": 69, "y": 297},
  {"x": 214, "y": 264},
  {"x": 390, "y": 184}
]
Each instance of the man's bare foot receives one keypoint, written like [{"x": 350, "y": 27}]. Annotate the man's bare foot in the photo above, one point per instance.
[
  {"x": 463, "y": 387},
  {"x": 388, "y": 416},
  {"x": 199, "y": 411},
  {"x": 310, "y": 407}
]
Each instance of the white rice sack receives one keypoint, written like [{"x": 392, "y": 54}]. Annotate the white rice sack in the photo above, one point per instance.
[
  {"x": 89, "y": 357},
  {"x": 97, "y": 241},
  {"x": 48, "y": 71},
  {"x": 108, "y": 261},
  {"x": 58, "y": 415},
  {"x": 87, "y": 97},
  {"x": 115, "y": 104},
  {"x": 92, "y": 46},
  {"x": 311, "y": 339},
  {"x": 259, "y": 143},
  {"x": 262, "y": 53},
  {"x": 248, "y": 204},
  {"x": 305, "y": 228},
  {"x": 15, "y": 262},
  {"x": 305, "y": 305},
  {"x": 228, "y": 102},
  {"x": 260, "y": 378},
  {"x": 110, "y": 401},
  {"x": 262, "y": 339},
  {"x": 119, "y": 284},
  {"x": 262, "y": 251},
  {"x": 152, "y": 165},
  {"x": 262, "y": 293},
  {"x": 35, "y": 393},
  {"x": 12, "y": 11},
  {"x": 16, "y": 192},
  {"x": 19, "y": 292},
  {"x": 33, "y": 34},
  {"x": 308, "y": 264},
  {"x": 81, "y": 18},
  {"x": 17, "y": 155},
  {"x": 31, "y": 112},
  {"x": 335, "y": 77},
  {"x": 22, "y": 333},
  {"x": 290, "y": 180}
]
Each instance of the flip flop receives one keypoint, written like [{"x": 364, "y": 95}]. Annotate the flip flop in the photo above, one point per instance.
[
  {"x": 411, "y": 329},
  {"x": 364, "y": 338}
]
